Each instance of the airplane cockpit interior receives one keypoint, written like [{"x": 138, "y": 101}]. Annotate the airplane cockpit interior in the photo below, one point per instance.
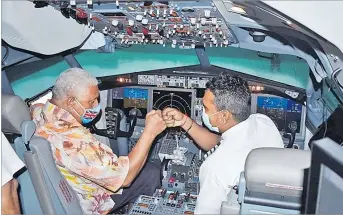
[{"x": 150, "y": 55}]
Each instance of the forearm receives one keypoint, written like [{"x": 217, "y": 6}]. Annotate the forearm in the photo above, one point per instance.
[
  {"x": 9, "y": 198},
  {"x": 138, "y": 156},
  {"x": 204, "y": 138}
]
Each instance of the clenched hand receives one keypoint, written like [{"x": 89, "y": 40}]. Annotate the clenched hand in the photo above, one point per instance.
[
  {"x": 154, "y": 123},
  {"x": 173, "y": 117}
]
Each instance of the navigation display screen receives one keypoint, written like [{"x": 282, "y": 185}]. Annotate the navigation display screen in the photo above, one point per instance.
[
  {"x": 182, "y": 101},
  {"x": 285, "y": 113}
]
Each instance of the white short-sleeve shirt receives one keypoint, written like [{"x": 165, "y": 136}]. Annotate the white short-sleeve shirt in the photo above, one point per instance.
[
  {"x": 10, "y": 162},
  {"x": 221, "y": 170}
]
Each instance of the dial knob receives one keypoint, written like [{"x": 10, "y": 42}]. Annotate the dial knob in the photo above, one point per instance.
[
  {"x": 145, "y": 21},
  {"x": 214, "y": 21},
  {"x": 203, "y": 21},
  {"x": 139, "y": 18}
]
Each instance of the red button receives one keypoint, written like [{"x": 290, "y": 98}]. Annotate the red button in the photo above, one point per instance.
[
  {"x": 145, "y": 31},
  {"x": 129, "y": 31}
]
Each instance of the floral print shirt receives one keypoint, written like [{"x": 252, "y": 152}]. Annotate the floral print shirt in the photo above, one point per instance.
[{"x": 90, "y": 167}]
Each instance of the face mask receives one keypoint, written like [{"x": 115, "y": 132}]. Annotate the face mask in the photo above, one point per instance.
[
  {"x": 206, "y": 119},
  {"x": 89, "y": 114}
]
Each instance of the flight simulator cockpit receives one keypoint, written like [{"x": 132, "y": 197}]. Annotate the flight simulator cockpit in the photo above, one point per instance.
[
  {"x": 130, "y": 97},
  {"x": 203, "y": 27}
]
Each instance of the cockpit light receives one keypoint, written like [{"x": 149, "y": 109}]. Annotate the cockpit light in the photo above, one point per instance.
[
  {"x": 256, "y": 88},
  {"x": 124, "y": 80},
  {"x": 239, "y": 10}
]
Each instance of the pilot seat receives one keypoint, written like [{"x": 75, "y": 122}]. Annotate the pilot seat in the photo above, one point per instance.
[
  {"x": 43, "y": 190},
  {"x": 272, "y": 183}
]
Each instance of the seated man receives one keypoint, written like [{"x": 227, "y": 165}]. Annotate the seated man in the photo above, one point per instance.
[
  {"x": 10, "y": 165},
  {"x": 227, "y": 111},
  {"x": 90, "y": 167}
]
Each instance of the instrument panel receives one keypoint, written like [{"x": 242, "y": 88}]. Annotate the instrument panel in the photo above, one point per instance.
[
  {"x": 196, "y": 77},
  {"x": 285, "y": 113},
  {"x": 173, "y": 81},
  {"x": 181, "y": 24},
  {"x": 154, "y": 98}
]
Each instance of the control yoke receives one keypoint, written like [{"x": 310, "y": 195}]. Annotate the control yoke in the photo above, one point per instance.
[{"x": 112, "y": 116}]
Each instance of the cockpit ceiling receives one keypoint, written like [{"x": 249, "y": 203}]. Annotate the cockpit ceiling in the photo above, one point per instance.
[{"x": 177, "y": 24}]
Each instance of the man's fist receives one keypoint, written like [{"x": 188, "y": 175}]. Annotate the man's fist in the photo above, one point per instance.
[
  {"x": 154, "y": 123},
  {"x": 173, "y": 117}
]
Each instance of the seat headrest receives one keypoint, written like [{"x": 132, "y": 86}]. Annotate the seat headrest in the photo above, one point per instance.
[
  {"x": 277, "y": 170},
  {"x": 13, "y": 112}
]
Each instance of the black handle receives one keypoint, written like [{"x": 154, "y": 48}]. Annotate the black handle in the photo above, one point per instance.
[{"x": 266, "y": 57}]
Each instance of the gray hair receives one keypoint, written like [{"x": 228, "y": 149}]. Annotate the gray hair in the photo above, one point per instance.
[
  {"x": 72, "y": 82},
  {"x": 231, "y": 94}
]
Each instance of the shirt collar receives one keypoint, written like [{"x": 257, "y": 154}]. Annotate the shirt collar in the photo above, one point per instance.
[
  {"x": 55, "y": 113},
  {"x": 235, "y": 130}
]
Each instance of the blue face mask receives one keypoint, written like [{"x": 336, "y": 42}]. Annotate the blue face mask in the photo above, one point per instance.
[
  {"x": 206, "y": 120},
  {"x": 89, "y": 114}
]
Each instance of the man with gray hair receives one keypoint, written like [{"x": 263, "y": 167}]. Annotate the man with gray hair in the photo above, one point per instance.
[
  {"x": 95, "y": 173},
  {"x": 226, "y": 111}
]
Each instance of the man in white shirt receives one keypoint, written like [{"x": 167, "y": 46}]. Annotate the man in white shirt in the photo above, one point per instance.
[
  {"x": 10, "y": 164},
  {"x": 226, "y": 111}
]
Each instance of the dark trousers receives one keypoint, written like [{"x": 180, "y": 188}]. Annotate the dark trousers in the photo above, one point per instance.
[{"x": 147, "y": 181}]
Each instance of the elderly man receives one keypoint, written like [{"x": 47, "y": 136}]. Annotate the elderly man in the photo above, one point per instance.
[
  {"x": 226, "y": 111},
  {"x": 90, "y": 167}
]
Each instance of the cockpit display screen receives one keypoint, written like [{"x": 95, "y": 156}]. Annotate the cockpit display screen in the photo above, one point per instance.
[
  {"x": 174, "y": 99},
  {"x": 135, "y": 97},
  {"x": 285, "y": 113},
  {"x": 130, "y": 98}
]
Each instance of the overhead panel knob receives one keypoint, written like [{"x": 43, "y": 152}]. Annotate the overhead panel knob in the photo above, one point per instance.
[
  {"x": 139, "y": 18},
  {"x": 131, "y": 22},
  {"x": 115, "y": 22},
  {"x": 207, "y": 13},
  {"x": 73, "y": 3},
  {"x": 203, "y": 21},
  {"x": 214, "y": 21},
  {"x": 90, "y": 4},
  {"x": 145, "y": 21}
]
